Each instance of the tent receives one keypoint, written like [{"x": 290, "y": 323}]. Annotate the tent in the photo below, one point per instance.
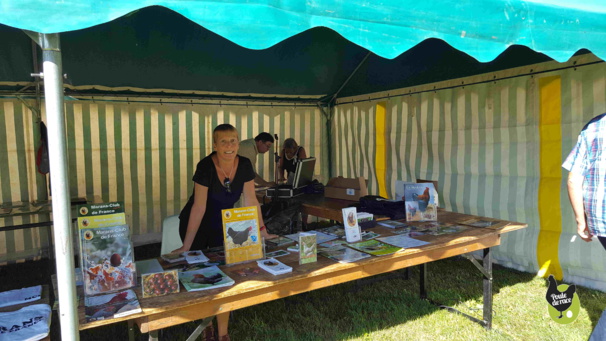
[{"x": 391, "y": 90}]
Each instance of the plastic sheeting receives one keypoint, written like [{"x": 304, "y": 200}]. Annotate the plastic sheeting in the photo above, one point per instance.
[{"x": 555, "y": 27}]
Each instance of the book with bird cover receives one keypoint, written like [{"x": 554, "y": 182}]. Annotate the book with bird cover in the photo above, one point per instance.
[
  {"x": 112, "y": 305},
  {"x": 353, "y": 233},
  {"x": 274, "y": 266},
  {"x": 421, "y": 202},
  {"x": 308, "y": 250},
  {"x": 241, "y": 235},
  {"x": 205, "y": 279}
]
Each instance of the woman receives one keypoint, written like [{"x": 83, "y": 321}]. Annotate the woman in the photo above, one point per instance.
[
  {"x": 219, "y": 180},
  {"x": 290, "y": 154}
]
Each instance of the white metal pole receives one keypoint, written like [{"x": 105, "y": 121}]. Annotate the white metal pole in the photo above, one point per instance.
[{"x": 64, "y": 252}]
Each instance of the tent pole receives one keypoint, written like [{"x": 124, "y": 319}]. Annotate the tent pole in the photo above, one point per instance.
[{"x": 64, "y": 252}]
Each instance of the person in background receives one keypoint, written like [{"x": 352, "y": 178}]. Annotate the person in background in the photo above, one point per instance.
[
  {"x": 586, "y": 164},
  {"x": 219, "y": 180},
  {"x": 250, "y": 148},
  {"x": 290, "y": 154}
]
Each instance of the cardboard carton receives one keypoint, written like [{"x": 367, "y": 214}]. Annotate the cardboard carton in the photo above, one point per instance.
[{"x": 346, "y": 188}]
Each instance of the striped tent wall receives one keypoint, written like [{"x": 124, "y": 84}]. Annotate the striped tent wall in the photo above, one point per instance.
[
  {"x": 479, "y": 137},
  {"x": 144, "y": 154}
]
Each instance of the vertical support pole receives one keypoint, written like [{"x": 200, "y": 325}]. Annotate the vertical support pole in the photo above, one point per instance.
[
  {"x": 487, "y": 286},
  {"x": 423, "y": 280},
  {"x": 64, "y": 251}
]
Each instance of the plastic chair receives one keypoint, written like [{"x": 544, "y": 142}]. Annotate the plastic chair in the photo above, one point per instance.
[{"x": 170, "y": 234}]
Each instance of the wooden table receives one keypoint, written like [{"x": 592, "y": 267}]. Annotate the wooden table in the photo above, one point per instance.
[{"x": 175, "y": 309}]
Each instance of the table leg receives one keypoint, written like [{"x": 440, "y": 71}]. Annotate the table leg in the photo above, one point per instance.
[
  {"x": 153, "y": 335},
  {"x": 487, "y": 287},
  {"x": 131, "y": 330},
  {"x": 423, "y": 280}
]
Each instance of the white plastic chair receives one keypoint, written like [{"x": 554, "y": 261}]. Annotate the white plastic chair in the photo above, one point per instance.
[{"x": 170, "y": 234}]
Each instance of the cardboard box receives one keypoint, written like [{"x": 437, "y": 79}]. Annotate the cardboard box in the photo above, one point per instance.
[{"x": 346, "y": 188}]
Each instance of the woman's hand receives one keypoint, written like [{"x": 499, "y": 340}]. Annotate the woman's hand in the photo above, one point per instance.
[
  {"x": 267, "y": 235},
  {"x": 180, "y": 250}
]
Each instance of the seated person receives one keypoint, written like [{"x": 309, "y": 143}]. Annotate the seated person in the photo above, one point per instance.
[
  {"x": 250, "y": 148},
  {"x": 290, "y": 154}
]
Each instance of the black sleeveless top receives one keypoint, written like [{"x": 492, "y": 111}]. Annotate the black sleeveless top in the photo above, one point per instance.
[
  {"x": 291, "y": 165},
  {"x": 210, "y": 233}
]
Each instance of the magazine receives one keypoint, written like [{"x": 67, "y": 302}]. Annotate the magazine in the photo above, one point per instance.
[
  {"x": 320, "y": 237},
  {"x": 307, "y": 248},
  {"x": 113, "y": 305},
  {"x": 241, "y": 235},
  {"x": 274, "y": 266},
  {"x": 343, "y": 254},
  {"x": 279, "y": 241},
  {"x": 392, "y": 224},
  {"x": 402, "y": 241},
  {"x": 420, "y": 202},
  {"x": 375, "y": 247},
  {"x": 107, "y": 259},
  {"x": 352, "y": 228},
  {"x": 205, "y": 279}
]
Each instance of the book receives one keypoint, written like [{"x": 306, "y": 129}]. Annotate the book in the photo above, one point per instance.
[
  {"x": 402, "y": 241},
  {"x": 343, "y": 254},
  {"x": 274, "y": 266},
  {"x": 241, "y": 235},
  {"x": 160, "y": 283},
  {"x": 375, "y": 247},
  {"x": 399, "y": 193},
  {"x": 173, "y": 257},
  {"x": 107, "y": 259},
  {"x": 101, "y": 215},
  {"x": 420, "y": 202},
  {"x": 205, "y": 279},
  {"x": 484, "y": 222},
  {"x": 350, "y": 221},
  {"x": 307, "y": 248},
  {"x": 277, "y": 253},
  {"x": 320, "y": 237},
  {"x": 392, "y": 224},
  {"x": 118, "y": 304},
  {"x": 279, "y": 241},
  {"x": 194, "y": 257}
]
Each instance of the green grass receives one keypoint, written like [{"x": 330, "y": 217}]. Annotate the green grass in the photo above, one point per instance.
[{"x": 388, "y": 307}]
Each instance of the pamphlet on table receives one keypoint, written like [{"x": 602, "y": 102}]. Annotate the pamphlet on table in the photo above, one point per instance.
[
  {"x": 274, "y": 266},
  {"x": 353, "y": 233},
  {"x": 205, "y": 279},
  {"x": 241, "y": 235}
]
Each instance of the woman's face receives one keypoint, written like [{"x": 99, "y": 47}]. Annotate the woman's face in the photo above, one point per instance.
[
  {"x": 290, "y": 152},
  {"x": 226, "y": 144}
]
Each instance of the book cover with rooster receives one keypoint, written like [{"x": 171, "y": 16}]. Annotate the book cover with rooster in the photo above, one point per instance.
[
  {"x": 308, "y": 251},
  {"x": 420, "y": 202},
  {"x": 113, "y": 305},
  {"x": 241, "y": 235}
]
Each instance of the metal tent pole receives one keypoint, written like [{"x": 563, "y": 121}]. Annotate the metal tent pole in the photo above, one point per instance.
[{"x": 64, "y": 252}]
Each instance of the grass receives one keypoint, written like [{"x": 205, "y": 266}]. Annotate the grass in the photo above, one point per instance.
[
  {"x": 388, "y": 307},
  {"x": 385, "y": 307}
]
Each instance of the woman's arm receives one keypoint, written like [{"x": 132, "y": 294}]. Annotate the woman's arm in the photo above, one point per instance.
[
  {"x": 302, "y": 154},
  {"x": 195, "y": 216},
  {"x": 250, "y": 199}
]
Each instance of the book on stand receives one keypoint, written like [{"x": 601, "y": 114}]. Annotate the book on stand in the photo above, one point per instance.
[
  {"x": 353, "y": 233},
  {"x": 308, "y": 251},
  {"x": 241, "y": 235},
  {"x": 420, "y": 202},
  {"x": 205, "y": 279}
]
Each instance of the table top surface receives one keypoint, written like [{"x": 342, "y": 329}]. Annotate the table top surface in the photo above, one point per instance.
[{"x": 263, "y": 286}]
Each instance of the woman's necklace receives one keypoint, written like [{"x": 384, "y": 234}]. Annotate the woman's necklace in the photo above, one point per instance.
[{"x": 226, "y": 181}]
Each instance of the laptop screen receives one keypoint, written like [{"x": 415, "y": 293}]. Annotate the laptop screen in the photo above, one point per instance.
[{"x": 304, "y": 173}]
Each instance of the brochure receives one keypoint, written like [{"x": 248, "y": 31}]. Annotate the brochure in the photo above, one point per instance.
[
  {"x": 194, "y": 257},
  {"x": 402, "y": 241},
  {"x": 375, "y": 247},
  {"x": 307, "y": 248},
  {"x": 274, "y": 266},
  {"x": 205, "y": 279},
  {"x": 113, "y": 305},
  {"x": 241, "y": 235},
  {"x": 350, "y": 221}
]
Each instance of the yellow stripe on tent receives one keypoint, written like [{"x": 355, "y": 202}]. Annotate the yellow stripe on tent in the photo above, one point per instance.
[
  {"x": 550, "y": 89},
  {"x": 380, "y": 160}
]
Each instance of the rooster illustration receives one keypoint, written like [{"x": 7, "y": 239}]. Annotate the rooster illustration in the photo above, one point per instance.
[
  {"x": 239, "y": 237},
  {"x": 308, "y": 250},
  {"x": 560, "y": 300},
  {"x": 201, "y": 279}
]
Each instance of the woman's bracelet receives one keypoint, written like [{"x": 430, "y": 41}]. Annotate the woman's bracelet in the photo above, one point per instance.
[{"x": 262, "y": 228}]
